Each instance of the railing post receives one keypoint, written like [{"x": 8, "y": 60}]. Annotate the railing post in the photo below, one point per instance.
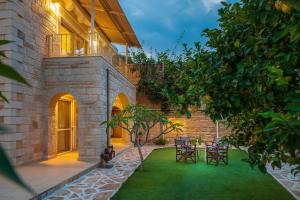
[
  {"x": 92, "y": 26},
  {"x": 126, "y": 60}
]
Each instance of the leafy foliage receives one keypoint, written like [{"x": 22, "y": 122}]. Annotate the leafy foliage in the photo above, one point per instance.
[
  {"x": 6, "y": 169},
  {"x": 137, "y": 120},
  {"x": 248, "y": 74},
  {"x": 160, "y": 141},
  {"x": 253, "y": 78}
]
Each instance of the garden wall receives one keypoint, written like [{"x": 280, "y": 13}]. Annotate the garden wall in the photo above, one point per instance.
[{"x": 198, "y": 126}]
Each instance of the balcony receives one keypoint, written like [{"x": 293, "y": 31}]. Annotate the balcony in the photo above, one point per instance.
[{"x": 75, "y": 45}]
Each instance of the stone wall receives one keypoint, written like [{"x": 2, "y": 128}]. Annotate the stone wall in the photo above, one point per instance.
[
  {"x": 24, "y": 114},
  {"x": 85, "y": 79},
  {"x": 199, "y": 125}
]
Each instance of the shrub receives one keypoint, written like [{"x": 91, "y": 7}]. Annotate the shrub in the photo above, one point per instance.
[{"x": 160, "y": 141}]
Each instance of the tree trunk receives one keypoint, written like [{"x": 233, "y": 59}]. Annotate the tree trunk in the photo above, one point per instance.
[{"x": 140, "y": 153}]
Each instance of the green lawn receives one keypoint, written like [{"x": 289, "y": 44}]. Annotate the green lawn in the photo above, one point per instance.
[{"x": 164, "y": 179}]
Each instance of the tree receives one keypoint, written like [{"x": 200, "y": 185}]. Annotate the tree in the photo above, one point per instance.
[
  {"x": 249, "y": 74},
  {"x": 6, "y": 168},
  {"x": 251, "y": 78},
  {"x": 137, "y": 120}
]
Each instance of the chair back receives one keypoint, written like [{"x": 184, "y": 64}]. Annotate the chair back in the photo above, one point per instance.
[
  {"x": 186, "y": 139},
  {"x": 179, "y": 142}
]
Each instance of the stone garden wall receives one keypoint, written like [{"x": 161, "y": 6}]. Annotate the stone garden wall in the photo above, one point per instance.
[{"x": 198, "y": 126}]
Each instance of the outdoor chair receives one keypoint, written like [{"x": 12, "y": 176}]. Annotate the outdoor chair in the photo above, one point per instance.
[
  {"x": 223, "y": 153},
  {"x": 185, "y": 151},
  {"x": 216, "y": 153},
  {"x": 186, "y": 139}
]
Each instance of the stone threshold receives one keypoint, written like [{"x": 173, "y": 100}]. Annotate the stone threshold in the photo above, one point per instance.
[{"x": 59, "y": 186}]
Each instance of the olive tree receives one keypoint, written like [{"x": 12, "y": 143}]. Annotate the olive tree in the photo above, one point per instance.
[{"x": 138, "y": 120}]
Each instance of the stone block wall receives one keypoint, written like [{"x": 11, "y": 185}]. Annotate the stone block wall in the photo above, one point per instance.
[
  {"x": 85, "y": 79},
  {"x": 24, "y": 114},
  {"x": 198, "y": 126}
]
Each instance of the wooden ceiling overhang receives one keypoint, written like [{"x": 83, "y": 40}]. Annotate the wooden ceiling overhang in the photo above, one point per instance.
[{"x": 109, "y": 18}]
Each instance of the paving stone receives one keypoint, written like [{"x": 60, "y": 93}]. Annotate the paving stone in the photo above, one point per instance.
[
  {"x": 100, "y": 184},
  {"x": 102, "y": 196},
  {"x": 284, "y": 177}
]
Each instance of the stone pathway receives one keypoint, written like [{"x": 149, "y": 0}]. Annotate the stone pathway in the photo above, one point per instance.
[
  {"x": 101, "y": 184},
  {"x": 286, "y": 179}
]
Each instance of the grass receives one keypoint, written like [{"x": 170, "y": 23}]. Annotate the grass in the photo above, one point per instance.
[{"x": 164, "y": 179}]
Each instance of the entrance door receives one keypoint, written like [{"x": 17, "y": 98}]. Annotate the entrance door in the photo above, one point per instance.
[
  {"x": 117, "y": 130},
  {"x": 64, "y": 127}
]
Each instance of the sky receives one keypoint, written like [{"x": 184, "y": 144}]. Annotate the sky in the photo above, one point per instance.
[{"x": 159, "y": 24}]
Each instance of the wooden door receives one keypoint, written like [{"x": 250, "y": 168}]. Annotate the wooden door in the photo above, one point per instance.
[
  {"x": 117, "y": 131},
  {"x": 64, "y": 126}
]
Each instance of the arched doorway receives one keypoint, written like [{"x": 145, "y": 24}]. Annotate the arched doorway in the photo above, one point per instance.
[
  {"x": 118, "y": 137},
  {"x": 63, "y": 125}
]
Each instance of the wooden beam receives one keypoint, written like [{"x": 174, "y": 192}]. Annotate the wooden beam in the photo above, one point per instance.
[
  {"x": 96, "y": 7},
  {"x": 102, "y": 10},
  {"x": 107, "y": 9},
  {"x": 87, "y": 15}
]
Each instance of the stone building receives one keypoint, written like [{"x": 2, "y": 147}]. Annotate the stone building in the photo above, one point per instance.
[{"x": 64, "y": 48}]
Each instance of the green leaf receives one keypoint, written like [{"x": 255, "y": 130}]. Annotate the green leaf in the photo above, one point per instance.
[
  {"x": 9, "y": 72},
  {"x": 7, "y": 170},
  {"x": 295, "y": 34},
  {"x": 294, "y": 107},
  {"x": 181, "y": 99},
  {"x": 294, "y": 3},
  {"x": 280, "y": 34},
  {"x": 3, "y": 42},
  {"x": 3, "y": 97},
  {"x": 273, "y": 115}
]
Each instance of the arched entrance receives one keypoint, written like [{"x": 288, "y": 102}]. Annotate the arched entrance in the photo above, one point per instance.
[
  {"x": 118, "y": 137},
  {"x": 63, "y": 124}
]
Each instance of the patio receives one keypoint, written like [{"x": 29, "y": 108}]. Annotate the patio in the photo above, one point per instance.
[{"x": 48, "y": 176}]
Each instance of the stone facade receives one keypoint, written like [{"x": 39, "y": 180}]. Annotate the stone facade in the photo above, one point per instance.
[
  {"x": 85, "y": 79},
  {"x": 27, "y": 23},
  {"x": 24, "y": 114}
]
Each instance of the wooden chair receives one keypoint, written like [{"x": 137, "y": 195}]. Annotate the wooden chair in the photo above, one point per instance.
[
  {"x": 186, "y": 139},
  {"x": 223, "y": 154},
  {"x": 179, "y": 146},
  {"x": 211, "y": 153},
  {"x": 217, "y": 154},
  {"x": 185, "y": 151}
]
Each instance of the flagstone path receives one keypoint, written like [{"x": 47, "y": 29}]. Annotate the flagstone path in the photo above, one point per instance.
[
  {"x": 286, "y": 179},
  {"x": 101, "y": 184}
]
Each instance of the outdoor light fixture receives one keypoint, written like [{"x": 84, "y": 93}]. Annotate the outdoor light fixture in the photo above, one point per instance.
[{"x": 54, "y": 7}]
